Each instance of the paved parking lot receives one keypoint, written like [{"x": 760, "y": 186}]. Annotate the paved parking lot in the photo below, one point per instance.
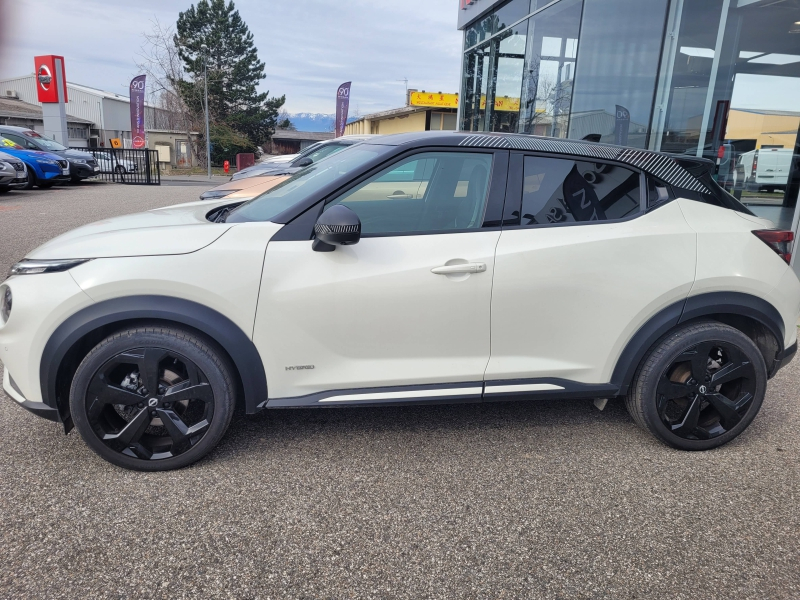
[{"x": 513, "y": 500}]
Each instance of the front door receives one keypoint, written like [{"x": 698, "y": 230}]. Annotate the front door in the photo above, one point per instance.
[{"x": 407, "y": 309}]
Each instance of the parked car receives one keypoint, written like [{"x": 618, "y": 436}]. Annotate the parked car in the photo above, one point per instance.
[
  {"x": 43, "y": 168},
  {"x": 13, "y": 173},
  {"x": 244, "y": 189},
  {"x": 310, "y": 155},
  {"x": 110, "y": 162},
  {"x": 767, "y": 168},
  {"x": 82, "y": 164},
  {"x": 419, "y": 268}
]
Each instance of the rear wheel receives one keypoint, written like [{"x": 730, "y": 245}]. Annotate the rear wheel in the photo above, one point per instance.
[
  {"x": 700, "y": 387},
  {"x": 119, "y": 169},
  {"x": 4, "y": 189},
  {"x": 152, "y": 398}
]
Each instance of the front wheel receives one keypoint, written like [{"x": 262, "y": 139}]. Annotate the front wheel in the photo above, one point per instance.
[
  {"x": 119, "y": 169},
  {"x": 700, "y": 387},
  {"x": 152, "y": 398},
  {"x": 30, "y": 180}
]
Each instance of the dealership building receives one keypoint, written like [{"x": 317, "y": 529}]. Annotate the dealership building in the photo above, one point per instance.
[{"x": 714, "y": 78}]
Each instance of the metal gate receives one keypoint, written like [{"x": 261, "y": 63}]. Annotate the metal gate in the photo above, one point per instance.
[{"x": 124, "y": 165}]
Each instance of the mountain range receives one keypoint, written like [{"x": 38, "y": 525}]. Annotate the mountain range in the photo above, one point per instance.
[{"x": 314, "y": 121}]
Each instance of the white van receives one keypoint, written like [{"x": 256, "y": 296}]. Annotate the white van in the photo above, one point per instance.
[{"x": 766, "y": 168}]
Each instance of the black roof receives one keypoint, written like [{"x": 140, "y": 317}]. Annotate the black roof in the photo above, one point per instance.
[{"x": 663, "y": 166}]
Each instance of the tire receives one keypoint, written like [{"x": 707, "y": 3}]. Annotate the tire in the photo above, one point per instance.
[
  {"x": 119, "y": 169},
  {"x": 4, "y": 189},
  {"x": 132, "y": 427},
  {"x": 713, "y": 411},
  {"x": 31, "y": 180}
]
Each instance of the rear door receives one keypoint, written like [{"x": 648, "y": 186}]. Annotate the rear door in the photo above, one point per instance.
[{"x": 584, "y": 265}]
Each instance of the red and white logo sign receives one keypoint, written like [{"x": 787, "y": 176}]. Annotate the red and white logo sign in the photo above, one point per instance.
[
  {"x": 138, "y": 142},
  {"x": 46, "y": 80}
]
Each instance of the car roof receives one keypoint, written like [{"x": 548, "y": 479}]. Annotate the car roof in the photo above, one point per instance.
[
  {"x": 662, "y": 166},
  {"x": 14, "y": 129}
]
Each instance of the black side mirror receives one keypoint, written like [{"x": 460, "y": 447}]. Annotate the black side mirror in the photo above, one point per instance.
[
  {"x": 304, "y": 162},
  {"x": 338, "y": 226}
]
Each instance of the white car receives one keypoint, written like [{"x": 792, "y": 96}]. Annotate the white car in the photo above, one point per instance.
[
  {"x": 111, "y": 162},
  {"x": 417, "y": 268}
]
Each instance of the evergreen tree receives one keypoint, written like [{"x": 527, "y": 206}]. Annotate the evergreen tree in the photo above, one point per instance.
[{"x": 234, "y": 70}]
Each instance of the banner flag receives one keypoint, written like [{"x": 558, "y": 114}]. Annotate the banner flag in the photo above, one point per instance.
[
  {"x": 137, "y": 112},
  {"x": 621, "y": 126},
  {"x": 342, "y": 105}
]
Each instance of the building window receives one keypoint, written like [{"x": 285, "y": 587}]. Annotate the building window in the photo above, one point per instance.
[
  {"x": 616, "y": 72},
  {"x": 78, "y": 133},
  {"x": 552, "y": 49}
]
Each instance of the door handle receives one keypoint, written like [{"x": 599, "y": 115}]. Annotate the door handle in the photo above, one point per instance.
[
  {"x": 400, "y": 196},
  {"x": 462, "y": 268}
]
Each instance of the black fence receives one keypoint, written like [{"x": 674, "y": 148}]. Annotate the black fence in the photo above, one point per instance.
[{"x": 124, "y": 165}]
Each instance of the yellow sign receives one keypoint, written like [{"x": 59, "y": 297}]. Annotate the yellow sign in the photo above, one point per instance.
[
  {"x": 503, "y": 103},
  {"x": 116, "y": 143},
  {"x": 435, "y": 100}
]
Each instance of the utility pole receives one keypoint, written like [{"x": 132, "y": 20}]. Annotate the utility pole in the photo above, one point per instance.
[
  {"x": 204, "y": 49},
  {"x": 406, "y": 81}
]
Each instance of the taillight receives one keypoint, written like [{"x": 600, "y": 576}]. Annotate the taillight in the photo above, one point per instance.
[
  {"x": 755, "y": 164},
  {"x": 778, "y": 240}
]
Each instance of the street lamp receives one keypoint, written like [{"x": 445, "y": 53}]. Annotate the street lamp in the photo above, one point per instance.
[{"x": 204, "y": 50}]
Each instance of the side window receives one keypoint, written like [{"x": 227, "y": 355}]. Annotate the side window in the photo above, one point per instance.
[
  {"x": 433, "y": 191},
  {"x": 20, "y": 140},
  {"x": 557, "y": 190},
  {"x": 657, "y": 193}
]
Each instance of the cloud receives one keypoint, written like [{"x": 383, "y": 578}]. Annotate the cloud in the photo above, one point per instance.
[{"x": 309, "y": 46}]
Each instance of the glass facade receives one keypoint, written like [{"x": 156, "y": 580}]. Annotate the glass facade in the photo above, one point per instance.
[{"x": 717, "y": 78}]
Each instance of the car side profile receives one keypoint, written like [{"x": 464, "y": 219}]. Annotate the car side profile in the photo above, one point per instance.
[
  {"x": 42, "y": 169},
  {"x": 431, "y": 267}
]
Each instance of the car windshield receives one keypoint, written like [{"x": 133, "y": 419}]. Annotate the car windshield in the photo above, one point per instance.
[
  {"x": 6, "y": 143},
  {"x": 325, "y": 150},
  {"x": 43, "y": 141},
  {"x": 305, "y": 183}
]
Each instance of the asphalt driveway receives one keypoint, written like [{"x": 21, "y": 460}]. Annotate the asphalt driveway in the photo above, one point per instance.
[{"x": 508, "y": 500}]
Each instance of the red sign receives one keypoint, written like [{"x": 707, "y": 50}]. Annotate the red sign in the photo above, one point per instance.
[{"x": 46, "y": 81}]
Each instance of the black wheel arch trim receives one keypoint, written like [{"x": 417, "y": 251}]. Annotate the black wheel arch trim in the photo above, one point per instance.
[
  {"x": 703, "y": 305},
  {"x": 213, "y": 324}
]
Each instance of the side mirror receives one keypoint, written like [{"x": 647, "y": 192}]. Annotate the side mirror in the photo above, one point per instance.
[
  {"x": 338, "y": 226},
  {"x": 304, "y": 162}
]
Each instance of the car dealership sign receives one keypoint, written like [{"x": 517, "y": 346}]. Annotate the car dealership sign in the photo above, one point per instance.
[{"x": 47, "y": 84}]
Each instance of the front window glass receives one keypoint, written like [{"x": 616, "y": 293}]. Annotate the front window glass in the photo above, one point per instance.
[
  {"x": 324, "y": 151},
  {"x": 550, "y": 69},
  {"x": 558, "y": 190},
  {"x": 429, "y": 192},
  {"x": 305, "y": 183}
]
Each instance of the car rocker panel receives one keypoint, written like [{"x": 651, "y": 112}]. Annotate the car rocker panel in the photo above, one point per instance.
[{"x": 474, "y": 278}]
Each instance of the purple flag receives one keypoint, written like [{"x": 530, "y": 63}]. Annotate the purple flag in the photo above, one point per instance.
[
  {"x": 137, "y": 112},
  {"x": 342, "y": 105}
]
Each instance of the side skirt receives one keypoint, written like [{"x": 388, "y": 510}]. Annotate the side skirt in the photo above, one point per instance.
[{"x": 449, "y": 393}]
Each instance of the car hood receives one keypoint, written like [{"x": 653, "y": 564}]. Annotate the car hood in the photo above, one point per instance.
[
  {"x": 172, "y": 230},
  {"x": 76, "y": 154}
]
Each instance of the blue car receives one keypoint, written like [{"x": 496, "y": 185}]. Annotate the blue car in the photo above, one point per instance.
[{"x": 44, "y": 168}]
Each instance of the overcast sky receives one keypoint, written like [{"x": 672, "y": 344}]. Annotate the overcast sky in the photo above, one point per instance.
[{"x": 309, "y": 46}]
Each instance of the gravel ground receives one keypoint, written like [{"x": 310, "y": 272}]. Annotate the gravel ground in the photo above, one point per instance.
[{"x": 512, "y": 500}]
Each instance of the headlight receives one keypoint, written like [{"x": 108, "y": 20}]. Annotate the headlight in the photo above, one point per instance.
[
  {"x": 32, "y": 267},
  {"x": 46, "y": 161},
  {"x": 77, "y": 161},
  {"x": 213, "y": 194},
  {"x": 5, "y": 303}
]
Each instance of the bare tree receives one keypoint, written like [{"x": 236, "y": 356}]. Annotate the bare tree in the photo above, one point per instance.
[{"x": 158, "y": 59}]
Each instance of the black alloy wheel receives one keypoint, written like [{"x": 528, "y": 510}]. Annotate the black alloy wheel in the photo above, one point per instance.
[
  {"x": 706, "y": 391},
  {"x": 152, "y": 399},
  {"x": 699, "y": 387}
]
